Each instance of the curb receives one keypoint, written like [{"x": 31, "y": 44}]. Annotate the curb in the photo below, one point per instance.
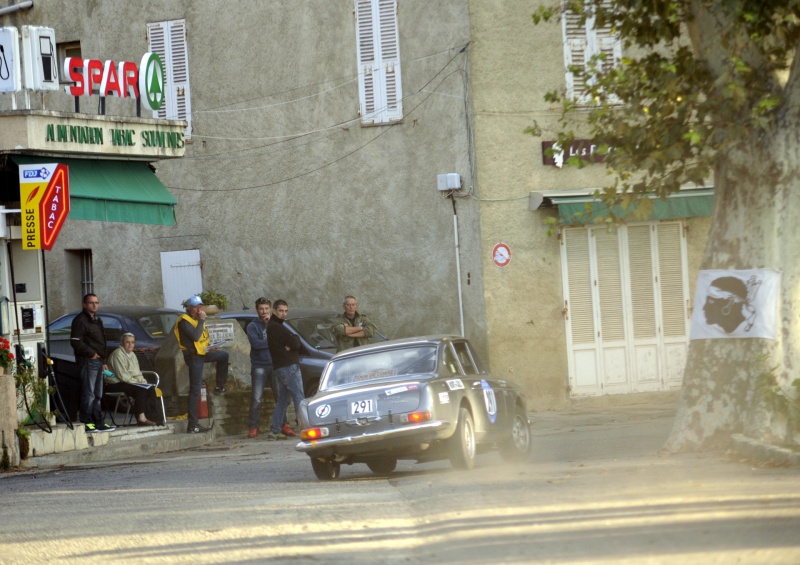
[{"x": 763, "y": 452}]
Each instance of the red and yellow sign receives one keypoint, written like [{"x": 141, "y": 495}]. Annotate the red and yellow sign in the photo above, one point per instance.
[{"x": 44, "y": 199}]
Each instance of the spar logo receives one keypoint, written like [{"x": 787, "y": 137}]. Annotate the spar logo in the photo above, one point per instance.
[{"x": 151, "y": 80}]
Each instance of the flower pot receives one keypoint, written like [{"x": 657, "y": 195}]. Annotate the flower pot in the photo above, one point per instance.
[{"x": 210, "y": 309}]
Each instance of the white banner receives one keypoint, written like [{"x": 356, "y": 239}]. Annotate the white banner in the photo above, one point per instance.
[{"x": 731, "y": 304}]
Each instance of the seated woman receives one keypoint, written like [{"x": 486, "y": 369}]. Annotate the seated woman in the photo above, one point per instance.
[{"x": 128, "y": 378}]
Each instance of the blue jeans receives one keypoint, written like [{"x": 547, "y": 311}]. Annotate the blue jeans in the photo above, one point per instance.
[
  {"x": 258, "y": 376},
  {"x": 91, "y": 391},
  {"x": 195, "y": 365},
  {"x": 289, "y": 382}
]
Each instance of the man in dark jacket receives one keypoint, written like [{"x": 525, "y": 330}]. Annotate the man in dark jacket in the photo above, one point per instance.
[
  {"x": 285, "y": 349},
  {"x": 88, "y": 340},
  {"x": 260, "y": 362}
]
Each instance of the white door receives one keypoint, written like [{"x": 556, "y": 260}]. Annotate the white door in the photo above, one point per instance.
[
  {"x": 625, "y": 306},
  {"x": 181, "y": 276}
]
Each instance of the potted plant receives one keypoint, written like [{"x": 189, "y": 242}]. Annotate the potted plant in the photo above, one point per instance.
[{"x": 212, "y": 298}]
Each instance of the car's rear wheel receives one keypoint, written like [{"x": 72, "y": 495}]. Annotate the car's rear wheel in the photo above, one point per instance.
[
  {"x": 462, "y": 444},
  {"x": 325, "y": 469},
  {"x": 382, "y": 465},
  {"x": 518, "y": 447}
]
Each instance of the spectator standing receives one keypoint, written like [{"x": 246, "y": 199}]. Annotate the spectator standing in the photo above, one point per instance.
[
  {"x": 128, "y": 378},
  {"x": 194, "y": 341},
  {"x": 351, "y": 328},
  {"x": 260, "y": 362},
  {"x": 285, "y": 349},
  {"x": 88, "y": 340}
]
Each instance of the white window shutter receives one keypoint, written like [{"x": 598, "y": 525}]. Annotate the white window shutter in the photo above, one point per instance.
[
  {"x": 378, "y": 52},
  {"x": 168, "y": 40}
]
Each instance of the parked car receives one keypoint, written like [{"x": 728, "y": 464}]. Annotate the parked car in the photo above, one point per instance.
[
  {"x": 423, "y": 399},
  {"x": 313, "y": 328},
  {"x": 150, "y": 325}
]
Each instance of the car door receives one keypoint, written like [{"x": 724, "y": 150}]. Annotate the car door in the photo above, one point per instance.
[{"x": 491, "y": 391}]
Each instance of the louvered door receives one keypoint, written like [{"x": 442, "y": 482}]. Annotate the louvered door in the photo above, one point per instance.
[{"x": 625, "y": 307}]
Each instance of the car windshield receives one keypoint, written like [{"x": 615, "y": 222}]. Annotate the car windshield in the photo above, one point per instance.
[
  {"x": 316, "y": 331},
  {"x": 158, "y": 324},
  {"x": 380, "y": 364}
]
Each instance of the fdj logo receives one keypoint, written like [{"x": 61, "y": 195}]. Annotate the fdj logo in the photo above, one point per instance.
[
  {"x": 36, "y": 173},
  {"x": 151, "y": 80}
]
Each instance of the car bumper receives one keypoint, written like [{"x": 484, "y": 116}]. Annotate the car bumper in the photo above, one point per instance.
[{"x": 421, "y": 432}]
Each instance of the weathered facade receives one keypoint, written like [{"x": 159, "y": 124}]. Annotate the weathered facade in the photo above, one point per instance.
[
  {"x": 283, "y": 191},
  {"x": 613, "y": 335}
]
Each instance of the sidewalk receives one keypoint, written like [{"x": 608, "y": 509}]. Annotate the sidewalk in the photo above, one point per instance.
[{"x": 133, "y": 442}]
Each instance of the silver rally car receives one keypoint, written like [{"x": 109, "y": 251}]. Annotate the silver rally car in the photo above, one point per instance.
[{"x": 423, "y": 398}]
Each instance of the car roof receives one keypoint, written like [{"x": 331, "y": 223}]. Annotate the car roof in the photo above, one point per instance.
[
  {"x": 399, "y": 343},
  {"x": 131, "y": 311},
  {"x": 294, "y": 313}
]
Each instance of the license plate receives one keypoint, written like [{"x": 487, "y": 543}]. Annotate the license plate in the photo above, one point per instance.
[{"x": 362, "y": 407}]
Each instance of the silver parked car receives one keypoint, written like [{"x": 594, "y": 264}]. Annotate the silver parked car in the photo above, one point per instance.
[{"x": 424, "y": 399}]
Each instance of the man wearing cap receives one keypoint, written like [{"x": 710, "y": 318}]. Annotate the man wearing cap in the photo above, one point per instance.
[{"x": 194, "y": 341}]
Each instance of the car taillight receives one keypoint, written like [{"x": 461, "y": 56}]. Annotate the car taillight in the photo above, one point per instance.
[
  {"x": 415, "y": 417},
  {"x": 314, "y": 433}
]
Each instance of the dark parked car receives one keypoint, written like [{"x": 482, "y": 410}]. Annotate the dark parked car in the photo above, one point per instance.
[
  {"x": 423, "y": 398},
  {"x": 149, "y": 324},
  {"x": 313, "y": 328}
]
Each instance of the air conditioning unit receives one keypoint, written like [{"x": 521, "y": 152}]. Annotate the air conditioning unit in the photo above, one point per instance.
[{"x": 448, "y": 181}]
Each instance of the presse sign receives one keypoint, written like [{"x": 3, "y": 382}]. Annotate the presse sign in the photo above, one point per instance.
[{"x": 44, "y": 199}]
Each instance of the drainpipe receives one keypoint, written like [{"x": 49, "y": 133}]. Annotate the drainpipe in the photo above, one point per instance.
[
  {"x": 27, "y": 5},
  {"x": 458, "y": 265}
]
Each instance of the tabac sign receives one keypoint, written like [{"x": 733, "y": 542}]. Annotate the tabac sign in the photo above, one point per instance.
[{"x": 44, "y": 200}]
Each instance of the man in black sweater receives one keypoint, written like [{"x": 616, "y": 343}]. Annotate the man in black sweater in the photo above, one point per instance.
[
  {"x": 88, "y": 340},
  {"x": 285, "y": 349}
]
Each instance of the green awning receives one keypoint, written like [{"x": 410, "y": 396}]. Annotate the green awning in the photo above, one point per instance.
[
  {"x": 689, "y": 204},
  {"x": 113, "y": 191}
]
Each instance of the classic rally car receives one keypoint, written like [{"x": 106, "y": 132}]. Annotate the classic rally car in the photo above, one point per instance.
[{"x": 424, "y": 399}]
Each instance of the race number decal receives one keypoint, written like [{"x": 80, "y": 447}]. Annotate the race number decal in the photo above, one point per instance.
[
  {"x": 444, "y": 398},
  {"x": 490, "y": 401}
]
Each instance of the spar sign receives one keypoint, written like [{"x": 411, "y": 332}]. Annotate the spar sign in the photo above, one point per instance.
[{"x": 44, "y": 199}]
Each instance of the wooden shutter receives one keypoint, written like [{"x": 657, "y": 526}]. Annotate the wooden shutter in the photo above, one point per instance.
[
  {"x": 168, "y": 40},
  {"x": 580, "y": 307},
  {"x": 643, "y": 300},
  {"x": 378, "y": 51},
  {"x": 671, "y": 284}
]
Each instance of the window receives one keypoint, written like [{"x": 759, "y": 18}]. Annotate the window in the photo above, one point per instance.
[
  {"x": 67, "y": 49},
  {"x": 168, "y": 40},
  {"x": 581, "y": 43},
  {"x": 378, "y": 61}
]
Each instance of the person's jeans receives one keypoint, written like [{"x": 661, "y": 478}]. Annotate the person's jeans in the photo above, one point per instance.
[
  {"x": 290, "y": 387},
  {"x": 258, "y": 376},
  {"x": 91, "y": 391},
  {"x": 195, "y": 366}
]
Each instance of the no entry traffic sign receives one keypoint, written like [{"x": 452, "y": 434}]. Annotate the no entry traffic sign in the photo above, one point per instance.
[{"x": 501, "y": 254}]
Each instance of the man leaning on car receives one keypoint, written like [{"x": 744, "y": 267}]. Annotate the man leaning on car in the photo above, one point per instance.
[
  {"x": 351, "y": 328},
  {"x": 88, "y": 340}
]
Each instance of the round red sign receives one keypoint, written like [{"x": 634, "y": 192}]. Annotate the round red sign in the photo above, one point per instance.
[{"x": 501, "y": 254}]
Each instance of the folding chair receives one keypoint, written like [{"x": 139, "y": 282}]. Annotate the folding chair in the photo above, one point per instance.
[
  {"x": 120, "y": 396},
  {"x": 153, "y": 378}
]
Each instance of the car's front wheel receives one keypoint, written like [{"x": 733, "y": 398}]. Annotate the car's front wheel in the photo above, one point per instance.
[
  {"x": 518, "y": 447},
  {"x": 382, "y": 465},
  {"x": 325, "y": 469},
  {"x": 462, "y": 444}
]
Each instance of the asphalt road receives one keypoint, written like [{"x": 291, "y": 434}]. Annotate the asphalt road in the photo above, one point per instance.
[{"x": 595, "y": 491}]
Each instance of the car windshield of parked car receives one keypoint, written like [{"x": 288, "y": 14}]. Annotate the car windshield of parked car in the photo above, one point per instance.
[
  {"x": 316, "y": 331},
  {"x": 381, "y": 364},
  {"x": 158, "y": 324}
]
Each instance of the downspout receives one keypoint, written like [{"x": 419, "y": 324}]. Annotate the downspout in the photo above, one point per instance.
[
  {"x": 458, "y": 265},
  {"x": 27, "y": 5}
]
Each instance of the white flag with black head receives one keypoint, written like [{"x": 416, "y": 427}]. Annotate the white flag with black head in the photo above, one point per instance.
[{"x": 736, "y": 304}]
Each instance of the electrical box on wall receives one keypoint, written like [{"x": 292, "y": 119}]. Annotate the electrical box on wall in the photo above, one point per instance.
[
  {"x": 40, "y": 59},
  {"x": 448, "y": 181}
]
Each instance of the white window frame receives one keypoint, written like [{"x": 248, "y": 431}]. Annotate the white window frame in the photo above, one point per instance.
[
  {"x": 378, "y": 49},
  {"x": 581, "y": 43},
  {"x": 168, "y": 40}
]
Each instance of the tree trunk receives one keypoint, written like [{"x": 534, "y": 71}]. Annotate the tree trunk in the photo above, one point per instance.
[{"x": 756, "y": 225}]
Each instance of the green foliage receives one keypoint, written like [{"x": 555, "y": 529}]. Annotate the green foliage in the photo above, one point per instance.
[
  {"x": 211, "y": 296},
  {"x": 32, "y": 394},
  {"x": 697, "y": 79}
]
